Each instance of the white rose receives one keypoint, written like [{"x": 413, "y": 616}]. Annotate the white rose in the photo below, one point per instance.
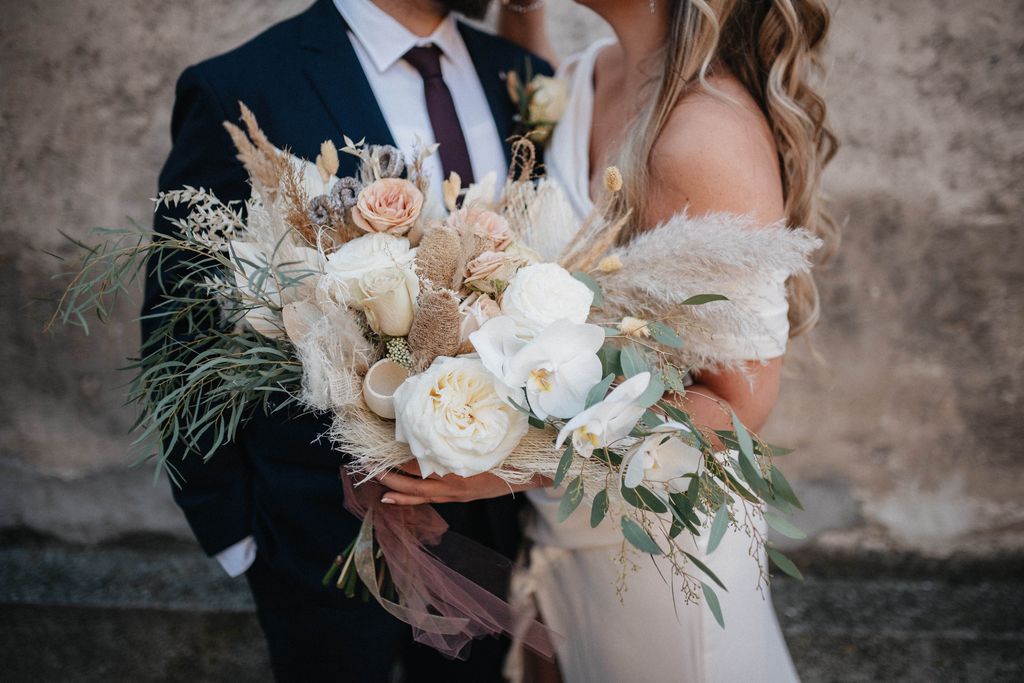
[
  {"x": 540, "y": 294},
  {"x": 355, "y": 258},
  {"x": 663, "y": 459},
  {"x": 457, "y": 419},
  {"x": 549, "y": 97},
  {"x": 389, "y": 299}
]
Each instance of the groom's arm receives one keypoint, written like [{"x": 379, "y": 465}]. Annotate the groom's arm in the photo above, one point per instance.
[{"x": 214, "y": 495}]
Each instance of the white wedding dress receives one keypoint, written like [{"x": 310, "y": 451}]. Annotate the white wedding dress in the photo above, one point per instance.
[{"x": 573, "y": 569}]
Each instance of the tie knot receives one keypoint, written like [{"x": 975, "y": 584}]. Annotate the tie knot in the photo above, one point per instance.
[{"x": 426, "y": 60}]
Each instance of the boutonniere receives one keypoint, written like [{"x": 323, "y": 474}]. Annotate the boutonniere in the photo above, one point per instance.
[{"x": 539, "y": 101}]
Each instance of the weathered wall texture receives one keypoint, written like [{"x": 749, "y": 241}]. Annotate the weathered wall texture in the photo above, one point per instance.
[{"x": 908, "y": 429}]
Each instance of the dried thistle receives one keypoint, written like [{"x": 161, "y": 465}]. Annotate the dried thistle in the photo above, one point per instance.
[
  {"x": 435, "y": 329},
  {"x": 439, "y": 256}
]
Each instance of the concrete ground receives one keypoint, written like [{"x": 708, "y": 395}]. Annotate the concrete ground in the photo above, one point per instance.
[{"x": 147, "y": 611}]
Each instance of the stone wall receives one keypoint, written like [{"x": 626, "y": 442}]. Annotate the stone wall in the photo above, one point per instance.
[{"x": 904, "y": 407}]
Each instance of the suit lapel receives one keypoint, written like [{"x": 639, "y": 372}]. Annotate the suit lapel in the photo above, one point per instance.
[
  {"x": 333, "y": 69},
  {"x": 490, "y": 66}
]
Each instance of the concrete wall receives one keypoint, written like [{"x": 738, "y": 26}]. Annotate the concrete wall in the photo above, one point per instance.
[{"x": 908, "y": 427}]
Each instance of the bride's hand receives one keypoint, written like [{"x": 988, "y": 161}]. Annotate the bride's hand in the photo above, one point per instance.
[{"x": 407, "y": 487}]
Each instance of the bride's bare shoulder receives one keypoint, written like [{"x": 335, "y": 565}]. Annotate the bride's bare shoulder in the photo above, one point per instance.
[{"x": 717, "y": 153}]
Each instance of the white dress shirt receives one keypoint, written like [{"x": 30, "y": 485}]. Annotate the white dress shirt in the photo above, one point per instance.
[{"x": 380, "y": 42}]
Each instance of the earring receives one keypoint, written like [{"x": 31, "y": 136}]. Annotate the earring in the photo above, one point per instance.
[{"x": 653, "y": 5}]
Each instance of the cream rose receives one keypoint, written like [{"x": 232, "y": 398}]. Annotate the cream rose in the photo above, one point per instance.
[
  {"x": 490, "y": 271},
  {"x": 389, "y": 205},
  {"x": 346, "y": 267},
  {"x": 457, "y": 419},
  {"x": 389, "y": 300},
  {"x": 542, "y": 293},
  {"x": 487, "y": 225}
]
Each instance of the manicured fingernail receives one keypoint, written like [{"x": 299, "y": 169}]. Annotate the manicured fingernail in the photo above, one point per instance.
[{"x": 389, "y": 501}]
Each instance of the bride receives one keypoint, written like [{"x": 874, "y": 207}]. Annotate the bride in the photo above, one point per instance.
[{"x": 705, "y": 107}]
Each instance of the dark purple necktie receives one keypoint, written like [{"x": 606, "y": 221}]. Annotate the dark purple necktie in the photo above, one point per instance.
[{"x": 441, "y": 108}]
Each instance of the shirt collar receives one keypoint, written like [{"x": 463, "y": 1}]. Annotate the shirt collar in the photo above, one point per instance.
[{"x": 385, "y": 40}]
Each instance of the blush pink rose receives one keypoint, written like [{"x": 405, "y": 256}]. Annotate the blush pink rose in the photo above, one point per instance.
[{"x": 389, "y": 205}]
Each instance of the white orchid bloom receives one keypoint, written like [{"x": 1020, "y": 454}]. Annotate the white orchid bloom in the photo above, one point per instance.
[
  {"x": 663, "y": 459},
  {"x": 497, "y": 342},
  {"x": 558, "y": 368},
  {"x": 608, "y": 421}
]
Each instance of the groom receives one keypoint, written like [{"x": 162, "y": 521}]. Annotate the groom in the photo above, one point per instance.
[{"x": 269, "y": 504}]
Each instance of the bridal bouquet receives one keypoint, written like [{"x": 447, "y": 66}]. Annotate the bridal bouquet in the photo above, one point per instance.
[{"x": 457, "y": 337}]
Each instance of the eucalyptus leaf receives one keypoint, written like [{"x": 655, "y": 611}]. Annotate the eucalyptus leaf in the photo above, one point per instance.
[
  {"x": 571, "y": 499},
  {"x": 633, "y": 361},
  {"x": 599, "y": 508},
  {"x": 699, "y": 299},
  {"x": 663, "y": 334},
  {"x": 782, "y": 487},
  {"x": 706, "y": 569},
  {"x": 783, "y": 526},
  {"x": 563, "y": 465},
  {"x": 674, "y": 379},
  {"x": 610, "y": 357},
  {"x": 636, "y": 535},
  {"x": 643, "y": 498},
  {"x": 784, "y": 563},
  {"x": 712, "y": 601},
  {"x": 599, "y": 390},
  {"x": 719, "y": 526},
  {"x": 652, "y": 394},
  {"x": 591, "y": 283}
]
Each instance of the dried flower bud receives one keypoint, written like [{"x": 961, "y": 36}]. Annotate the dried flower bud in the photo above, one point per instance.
[
  {"x": 389, "y": 160},
  {"x": 612, "y": 179},
  {"x": 610, "y": 264},
  {"x": 450, "y": 190},
  {"x": 324, "y": 211},
  {"x": 634, "y": 327},
  {"x": 512, "y": 83},
  {"x": 346, "y": 191},
  {"x": 327, "y": 161}
]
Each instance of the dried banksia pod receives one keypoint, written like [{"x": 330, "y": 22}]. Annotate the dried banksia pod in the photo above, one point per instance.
[
  {"x": 389, "y": 160},
  {"x": 435, "y": 329},
  {"x": 439, "y": 255},
  {"x": 612, "y": 179}
]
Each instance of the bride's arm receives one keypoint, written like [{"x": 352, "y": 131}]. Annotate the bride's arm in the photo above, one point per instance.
[
  {"x": 717, "y": 155},
  {"x": 522, "y": 22}
]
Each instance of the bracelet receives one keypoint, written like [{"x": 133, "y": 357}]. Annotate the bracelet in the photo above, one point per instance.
[{"x": 520, "y": 8}]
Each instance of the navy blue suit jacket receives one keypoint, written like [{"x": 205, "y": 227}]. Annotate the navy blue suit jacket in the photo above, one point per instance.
[{"x": 278, "y": 480}]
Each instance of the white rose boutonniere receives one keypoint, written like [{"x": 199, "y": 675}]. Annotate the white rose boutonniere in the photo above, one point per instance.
[
  {"x": 540, "y": 102},
  {"x": 457, "y": 419}
]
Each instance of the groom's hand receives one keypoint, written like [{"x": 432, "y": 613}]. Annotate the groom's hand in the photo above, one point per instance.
[{"x": 407, "y": 487}]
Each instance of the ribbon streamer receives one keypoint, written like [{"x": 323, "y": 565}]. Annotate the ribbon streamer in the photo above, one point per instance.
[{"x": 446, "y": 608}]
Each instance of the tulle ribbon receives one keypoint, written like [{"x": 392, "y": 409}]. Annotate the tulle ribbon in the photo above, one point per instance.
[{"x": 449, "y": 585}]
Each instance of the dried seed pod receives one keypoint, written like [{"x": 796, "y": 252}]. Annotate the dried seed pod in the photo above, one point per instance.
[
  {"x": 438, "y": 257},
  {"x": 435, "y": 329}
]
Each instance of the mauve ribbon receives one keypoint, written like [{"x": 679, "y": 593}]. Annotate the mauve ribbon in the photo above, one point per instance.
[{"x": 446, "y": 608}]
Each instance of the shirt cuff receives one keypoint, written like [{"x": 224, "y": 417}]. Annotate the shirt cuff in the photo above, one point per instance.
[{"x": 236, "y": 559}]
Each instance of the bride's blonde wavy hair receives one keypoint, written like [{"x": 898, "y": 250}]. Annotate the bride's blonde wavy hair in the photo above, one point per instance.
[{"x": 774, "y": 48}]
